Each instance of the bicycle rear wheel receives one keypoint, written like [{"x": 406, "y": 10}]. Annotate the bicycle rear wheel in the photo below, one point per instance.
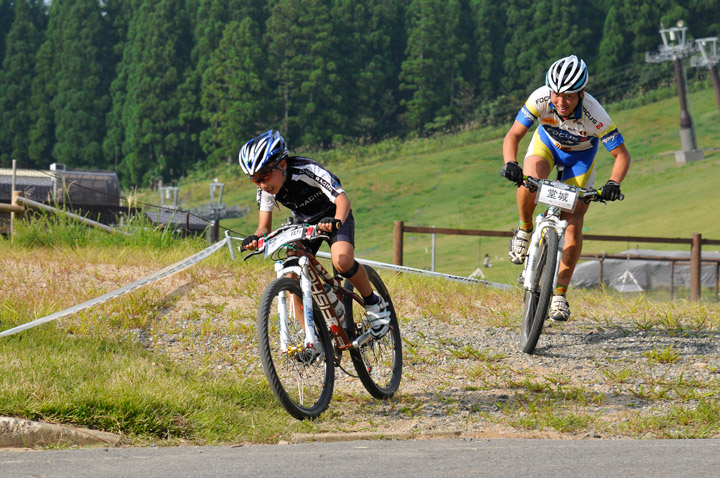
[
  {"x": 301, "y": 381},
  {"x": 379, "y": 362},
  {"x": 537, "y": 299}
]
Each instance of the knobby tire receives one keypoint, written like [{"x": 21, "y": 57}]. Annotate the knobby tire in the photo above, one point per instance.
[
  {"x": 537, "y": 299},
  {"x": 379, "y": 362},
  {"x": 303, "y": 387}
]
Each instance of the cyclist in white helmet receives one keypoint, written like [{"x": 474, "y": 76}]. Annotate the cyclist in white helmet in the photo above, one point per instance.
[
  {"x": 571, "y": 124},
  {"x": 314, "y": 195}
]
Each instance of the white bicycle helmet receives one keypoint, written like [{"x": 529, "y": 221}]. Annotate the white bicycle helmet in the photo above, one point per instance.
[
  {"x": 261, "y": 153},
  {"x": 567, "y": 75}
]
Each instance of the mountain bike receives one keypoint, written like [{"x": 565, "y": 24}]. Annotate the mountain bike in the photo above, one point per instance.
[
  {"x": 539, "y": 277},
  {"x": 307, "y": 318}
]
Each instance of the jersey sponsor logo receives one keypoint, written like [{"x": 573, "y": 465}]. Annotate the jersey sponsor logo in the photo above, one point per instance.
[
  {"x": 321, "y": 181},
  {"x": 526, "y": 113},
  {"x": 563, "y": 136},
  {"x": 549, "y": 121},
  {"x": 542, "y": 99},
  {"x": 599, "y": 126},
  {"x": 310, "y": 199},
  {"x": 589, "y": 116}
]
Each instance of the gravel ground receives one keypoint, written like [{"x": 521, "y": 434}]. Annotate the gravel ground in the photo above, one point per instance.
[{"x": 616, "y": 369}]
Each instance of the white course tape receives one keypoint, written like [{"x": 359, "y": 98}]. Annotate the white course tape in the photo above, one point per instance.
[
  {"x": 161, "y": 274},
  {"x": 393, "y": 267}
]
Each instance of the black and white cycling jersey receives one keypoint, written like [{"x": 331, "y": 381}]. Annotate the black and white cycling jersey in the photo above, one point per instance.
[{"x": 309, "y": 191}]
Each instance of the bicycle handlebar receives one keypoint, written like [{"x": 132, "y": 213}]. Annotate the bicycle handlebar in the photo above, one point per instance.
[
  {"x": 586, "y": 194},
  {"x": 309, "y": 232}
]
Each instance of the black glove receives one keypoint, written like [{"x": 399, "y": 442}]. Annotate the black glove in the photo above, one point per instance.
[
  {"x": 248, "y": 241},
  {"x": 512, "y": 172},
  {"x": 611, "y": 191},
  {"x": 336, "y": 223}
]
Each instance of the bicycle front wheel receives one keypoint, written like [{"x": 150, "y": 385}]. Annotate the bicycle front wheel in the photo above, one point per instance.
[
  {"x": 301, "y": 379},
  {"x": 378, "y": 362},
  {"x": 537, "y": 299}
]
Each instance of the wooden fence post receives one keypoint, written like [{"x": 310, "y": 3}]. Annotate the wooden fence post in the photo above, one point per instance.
[
  {"x": 695, "y": 267},
  {"x": 398, "y": 243}
]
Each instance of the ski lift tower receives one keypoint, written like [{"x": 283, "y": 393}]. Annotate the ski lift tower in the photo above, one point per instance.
[
  {"x": 708, "y": 58},
  {"x": 675, "y": 48}
]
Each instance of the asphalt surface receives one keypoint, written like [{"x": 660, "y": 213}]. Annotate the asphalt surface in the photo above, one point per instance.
[{"x": 378, "y": 458}]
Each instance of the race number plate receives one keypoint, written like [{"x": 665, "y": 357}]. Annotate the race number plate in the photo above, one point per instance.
[
  {"x": 557, "y": 194},
  {"x": 285, "y": 237}
]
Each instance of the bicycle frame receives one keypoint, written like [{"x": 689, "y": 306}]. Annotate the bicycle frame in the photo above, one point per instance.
[{"x": 312, "y": 275}]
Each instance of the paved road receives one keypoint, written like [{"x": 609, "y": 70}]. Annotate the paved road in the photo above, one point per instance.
[{"x": 385, "y": 459}]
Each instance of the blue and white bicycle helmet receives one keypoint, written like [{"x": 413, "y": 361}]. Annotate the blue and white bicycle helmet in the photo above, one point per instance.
[
  {"x": 567, "y": 75},
  {"x": 262, "y": 153}
]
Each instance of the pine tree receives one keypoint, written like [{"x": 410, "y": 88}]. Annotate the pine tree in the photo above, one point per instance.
[
  {"x": 305, "y": 67},
  {"x": 235, "y": 93},
  {"x": 431, "y": 72},
  {"x": 147, "y": 107},
  {"x": 368, "y": 41},
  {"x": 82, "y": 99},
  {"x": 7, "y": 15},
  {"x": 23, "y": 41},
  {"x": 489, "y": 41}
]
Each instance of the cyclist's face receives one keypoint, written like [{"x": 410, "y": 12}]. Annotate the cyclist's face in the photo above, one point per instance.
[
  {"x": 272, "y": 180},
  {"x": 565, "y": 103}
]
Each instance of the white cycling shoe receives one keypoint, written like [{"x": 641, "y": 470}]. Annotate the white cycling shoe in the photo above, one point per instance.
[
  {"x": 379, "y": 317},
  {"x": 559, "y": 309},
  {"x": 519, "y": 246}
]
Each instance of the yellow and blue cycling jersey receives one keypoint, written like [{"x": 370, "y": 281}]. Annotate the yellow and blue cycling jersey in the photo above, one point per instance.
[{"x": 572, "y": 142}]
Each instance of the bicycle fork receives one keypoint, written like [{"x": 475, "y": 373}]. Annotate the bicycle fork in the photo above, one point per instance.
[{"x": 543, "y": 223}]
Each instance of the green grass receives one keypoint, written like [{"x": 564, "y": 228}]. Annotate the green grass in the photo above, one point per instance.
[{"x": 452, "y": 181}]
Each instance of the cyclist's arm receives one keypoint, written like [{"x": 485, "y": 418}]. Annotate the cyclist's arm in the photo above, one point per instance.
[
  {"x": 622, "y": 163},
  {"x": 264, "y": 223},
  {"x": 342, "y": 207},
  {"x": 512, "y": 140}
]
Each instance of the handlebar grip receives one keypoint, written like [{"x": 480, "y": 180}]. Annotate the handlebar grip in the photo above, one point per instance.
[{"x": 502, "y": 173}]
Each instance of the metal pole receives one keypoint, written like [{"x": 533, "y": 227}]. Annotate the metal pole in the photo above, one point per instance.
[
  {"x": 12, "y": 194},
  {"x": 687, "y": 134},
  {"x": 716, "y": 83},
  {"x": 695, "y": 254},
  {"x": 432, "y": 255}
]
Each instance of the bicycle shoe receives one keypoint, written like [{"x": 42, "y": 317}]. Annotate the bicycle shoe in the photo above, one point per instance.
[
  {"x": 519, "y": 246},
  {"x": 379, "y": 317},
  {"x": 559, "y": 309}
]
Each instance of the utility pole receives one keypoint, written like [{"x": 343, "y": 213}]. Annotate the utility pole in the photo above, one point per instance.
[
  {"x": 709, "y": 59},
  {"x": 675, "y": 48}
]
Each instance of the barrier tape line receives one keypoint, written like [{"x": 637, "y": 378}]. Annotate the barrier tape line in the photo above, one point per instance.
[
  {"x": 393, "y": 267},
  {"x": 204, "y": 254},
  {"x": 161, "y": 274}
]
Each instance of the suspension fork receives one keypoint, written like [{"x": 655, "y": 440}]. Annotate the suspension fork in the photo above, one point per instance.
[{"x": 543, "y": 223}]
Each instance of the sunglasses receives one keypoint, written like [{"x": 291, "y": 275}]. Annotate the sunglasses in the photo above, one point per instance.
[{"x": 263, "y": 178}]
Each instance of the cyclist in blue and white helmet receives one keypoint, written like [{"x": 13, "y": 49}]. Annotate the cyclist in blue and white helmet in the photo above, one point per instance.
[
  {"x": 262, "y": 153},
  {"x": 314, "y": 195},
  {"x": 567, "y": 75},
  {"x": 571, "y": 125}
]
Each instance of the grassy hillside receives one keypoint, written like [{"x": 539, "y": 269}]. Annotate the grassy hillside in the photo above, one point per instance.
[{"x": 453, "y": 181}]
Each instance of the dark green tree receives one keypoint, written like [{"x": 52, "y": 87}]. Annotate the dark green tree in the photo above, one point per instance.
[
  {"x": 145, "y": 99},
  {"x": 431, "y": 74},
  {"x": 368, "y": 42},
  {"x": 235, "y": 93},
  {"x": 304, "y": 66},
  {"x": 7, "y": 15},
  {"x": 82, "y": 77},
  {"x": 23, "y": 41},
  {"x": 489, "y": 39}
]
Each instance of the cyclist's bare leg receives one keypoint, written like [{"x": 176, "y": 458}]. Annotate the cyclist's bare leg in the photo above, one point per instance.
[
  {"x": 538, "y": 167},
  {"x": 573, "y": 242},
  {"x": 343, "y": 258}
]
